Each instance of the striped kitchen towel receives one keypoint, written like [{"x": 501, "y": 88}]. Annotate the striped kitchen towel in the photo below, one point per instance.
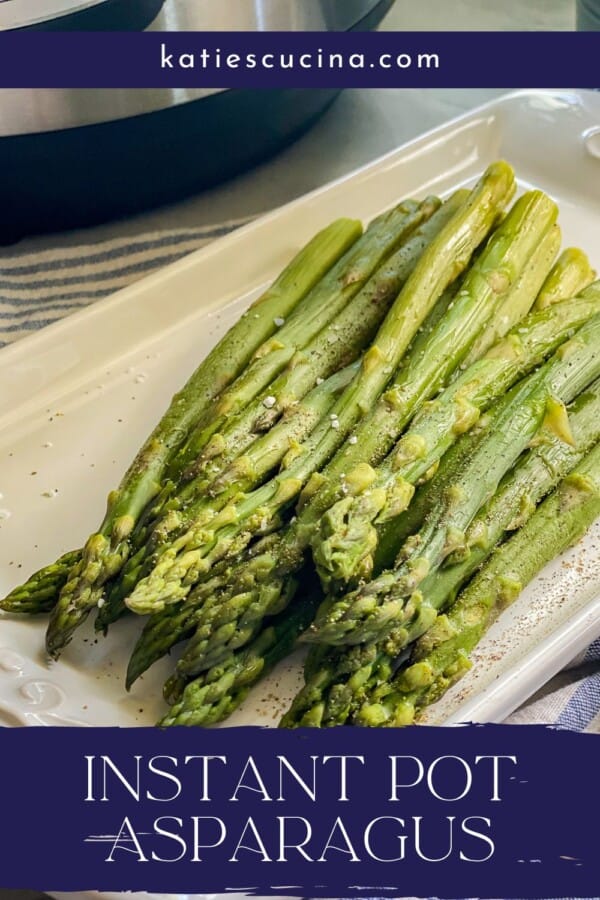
[{"x": 37, "y": 289}]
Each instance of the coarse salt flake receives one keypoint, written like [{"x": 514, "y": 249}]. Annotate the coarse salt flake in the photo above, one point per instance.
[{"x": 269, "y": 402}]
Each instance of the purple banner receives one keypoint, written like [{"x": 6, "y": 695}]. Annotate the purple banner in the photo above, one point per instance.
[
  {"x": 299, "y": 59},
  {"x": 474, "y": 811}
]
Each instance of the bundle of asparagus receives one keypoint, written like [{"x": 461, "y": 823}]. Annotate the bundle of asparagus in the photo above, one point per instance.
[{"x": 395, "y": 404}]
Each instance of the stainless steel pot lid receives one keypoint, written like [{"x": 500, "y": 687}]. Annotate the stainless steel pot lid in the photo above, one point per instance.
[
  {"x": 30, "y": 111},
  {"x": 191, "y": 15},
  {"x": 264, "y": 15},
  {"x": 141, "y": 148},
  {"x": 89, "y": 15}
]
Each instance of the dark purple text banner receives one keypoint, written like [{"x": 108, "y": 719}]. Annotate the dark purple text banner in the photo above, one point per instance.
[
  {"x": 473, "y": 811},
  {"x": 299, "y": 59}
]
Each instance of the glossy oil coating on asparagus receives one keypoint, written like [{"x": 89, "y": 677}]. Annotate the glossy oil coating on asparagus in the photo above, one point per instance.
[
  {"x": 192, "y": 555},
  {"x": 340, "y": 680},
  {"x": 215, "y": 694},
  {"x": 569, "y": 277},
  {"x": 381, "y": 420},
  {"x": 346, "y": 541},
  {"x": 441, "y": 656},
  {"x": 393, "y": 600},
  {"x": 260, "y": 582},
  {"x": 519, "y": 300},
  {"x": 106, "y": 551},
  {"x": 228, "y": 462}
]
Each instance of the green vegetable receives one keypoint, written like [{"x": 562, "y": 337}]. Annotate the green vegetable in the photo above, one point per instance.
[
  {"x": 571, "y": 274},
  {"x": 441, "y": 656},
  {"x": 346, "y": 542},
  {"x": 228, "y": 465},
  {"x": 40, "y": 592},
  {"x": 215, "y": 694},
  {"x": 340, "y": 680},
  {"x": 232, "y": 614},
  {"x": 105, "y": 551},
  {"x": 393, "y": 601}
]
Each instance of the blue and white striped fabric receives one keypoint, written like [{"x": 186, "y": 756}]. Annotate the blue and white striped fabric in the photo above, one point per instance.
[
  {"x": 37, "y": 289},
  {"x": 571, "y": 700}
]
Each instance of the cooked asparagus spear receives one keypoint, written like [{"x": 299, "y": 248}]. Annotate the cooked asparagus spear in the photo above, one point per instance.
[
  {"x": 40, "y": 592},
  {"x": 336, "y": 344},
  {"x": 262, "y": 457},
  {"x": 347, "y": 336},
  {"x": 263, "y": 586},
  {"x": 347, "y": 538},
  {"x": 192, "y": 555},
  {"x": 220, "y": 367},
  {"x": 260, "y": 581},
  {"x": 440, "y": 657},
  {"x": 248, "y": 470},
  {"x": 106, "y": 551},
  {"x": 175, "y": 623},
  {"x": 392, "y": 601},
  {"x": 318, "y": 310},
  {"x": 304, "y": 335},
  {"x": 339, "y": 680},
  {"x": 571, "y": 274},
  {"x": 215, "y": 694},
  {"x": 520, "y": 299}
]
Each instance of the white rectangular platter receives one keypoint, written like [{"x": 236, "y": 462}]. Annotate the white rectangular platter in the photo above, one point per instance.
[{"x": 78, "y": 398}]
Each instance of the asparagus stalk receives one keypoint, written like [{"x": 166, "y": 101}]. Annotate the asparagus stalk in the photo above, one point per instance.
[
  {"x": 177, "y": 622},
  {"x": 102, "y": 556},
  {"x": 166, "y": 628},
  {"x": 393, "y": 532},
  {"x": 318, "y": 310},
  {"x": 440, "y": 657},
  {"x": 348, "y": 535},
  {"x": 520, "y": 299},
  {"x": 263, "y": 456},
  {"x": 333, "y": 346},
  {"x": 215, "y": 694},
  {"x": 228, "y": 619},
  {"x": 40, "y": 592},
  {"x": 106, "y": 551},
  {"x": 392, "y": 601},
  {"x": 322, "y": 306},
  {"x": 341, "y": 679},
  {"x": 232, "y": 448},
  {"x": 571, "y": 274},
  {"x": 219, "y": 369},
  {"x": 192, "y": 555},
  {"x": 140, "y": 564}
]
